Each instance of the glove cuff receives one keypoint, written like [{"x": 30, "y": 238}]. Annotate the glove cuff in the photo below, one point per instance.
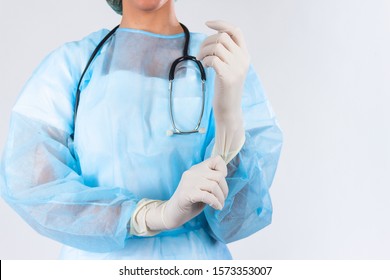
[
  {"x": 229, "y": 139},
  {"x": 139, "y": 225}
]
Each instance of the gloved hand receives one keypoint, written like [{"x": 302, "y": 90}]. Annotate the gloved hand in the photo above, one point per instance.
[
  {"x": 226, "y": 52},
  {"x": 202, "y": 184}
]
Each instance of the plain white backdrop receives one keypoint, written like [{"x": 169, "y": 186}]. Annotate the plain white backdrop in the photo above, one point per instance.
[{"x": 325, "y": 66}]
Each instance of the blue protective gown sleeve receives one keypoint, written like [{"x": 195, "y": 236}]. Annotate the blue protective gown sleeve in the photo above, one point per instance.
[
  {"x": 248, "y": 207},
  {"x": 40, "y": 176}
]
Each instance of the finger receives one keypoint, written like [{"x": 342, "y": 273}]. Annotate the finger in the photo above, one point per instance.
[
  {"x": 207, "y": 198},
  {"x": 220, "y": 38},
  {"x": 215, "y": 50},
  {"x": 219, "y": 178},
  {"x": 223, "y": 26},
  {"x": 214, "y": 188},
  {"x": 215, "y": 62},
  {"x": 217, "y": 163}
]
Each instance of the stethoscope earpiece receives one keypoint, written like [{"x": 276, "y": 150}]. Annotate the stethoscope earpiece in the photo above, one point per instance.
[
  {"x": 169, "y": 132},
  {"x": 201, "y": 130}
]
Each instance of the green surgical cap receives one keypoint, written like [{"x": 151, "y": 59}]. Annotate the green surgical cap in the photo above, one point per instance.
[{"x": 116, "y": 5}]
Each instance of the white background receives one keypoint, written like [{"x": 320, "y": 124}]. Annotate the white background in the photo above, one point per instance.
[{"x": 325, "y": 66}]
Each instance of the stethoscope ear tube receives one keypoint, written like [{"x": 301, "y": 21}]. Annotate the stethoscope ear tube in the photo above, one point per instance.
[
  {"x": 197, "y": 128},
  {"x": 184, "y": 58}
]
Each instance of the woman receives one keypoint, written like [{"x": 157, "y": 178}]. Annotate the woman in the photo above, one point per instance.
[{"x": 89, "y": 163}]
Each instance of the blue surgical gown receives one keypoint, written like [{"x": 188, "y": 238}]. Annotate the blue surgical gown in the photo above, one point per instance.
[{"x": 83, "y": 192}]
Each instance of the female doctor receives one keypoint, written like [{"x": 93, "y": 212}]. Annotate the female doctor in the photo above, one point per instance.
[{"x": 121, "y": 157}]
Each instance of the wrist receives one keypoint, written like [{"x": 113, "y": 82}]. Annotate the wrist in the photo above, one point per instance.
[
  {"x": 229, "y": 138},
  {"x": 232, "y": 117},
  {"x": 229, "y": 125},
  {"x": 159, "y": 217},
  {"x": 140, "y": 225},
  {"x": 154, "y": 216}
]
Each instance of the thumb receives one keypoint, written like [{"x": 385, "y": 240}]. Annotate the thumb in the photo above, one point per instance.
[{"x": 217, "y": 163}]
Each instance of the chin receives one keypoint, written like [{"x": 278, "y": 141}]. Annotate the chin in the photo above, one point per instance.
[{"x": 148, "y": 5}]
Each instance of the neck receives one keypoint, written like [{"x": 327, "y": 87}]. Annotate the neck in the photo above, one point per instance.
[{"x": 160, "y": 21}]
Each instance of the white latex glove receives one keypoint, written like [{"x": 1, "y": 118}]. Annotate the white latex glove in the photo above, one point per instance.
[
  {"x": 226, "y": 52},
  {"x": 202, "y": 184}
]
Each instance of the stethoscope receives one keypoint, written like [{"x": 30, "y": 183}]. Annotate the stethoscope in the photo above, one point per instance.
[{"x": 185, "y": 57}]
